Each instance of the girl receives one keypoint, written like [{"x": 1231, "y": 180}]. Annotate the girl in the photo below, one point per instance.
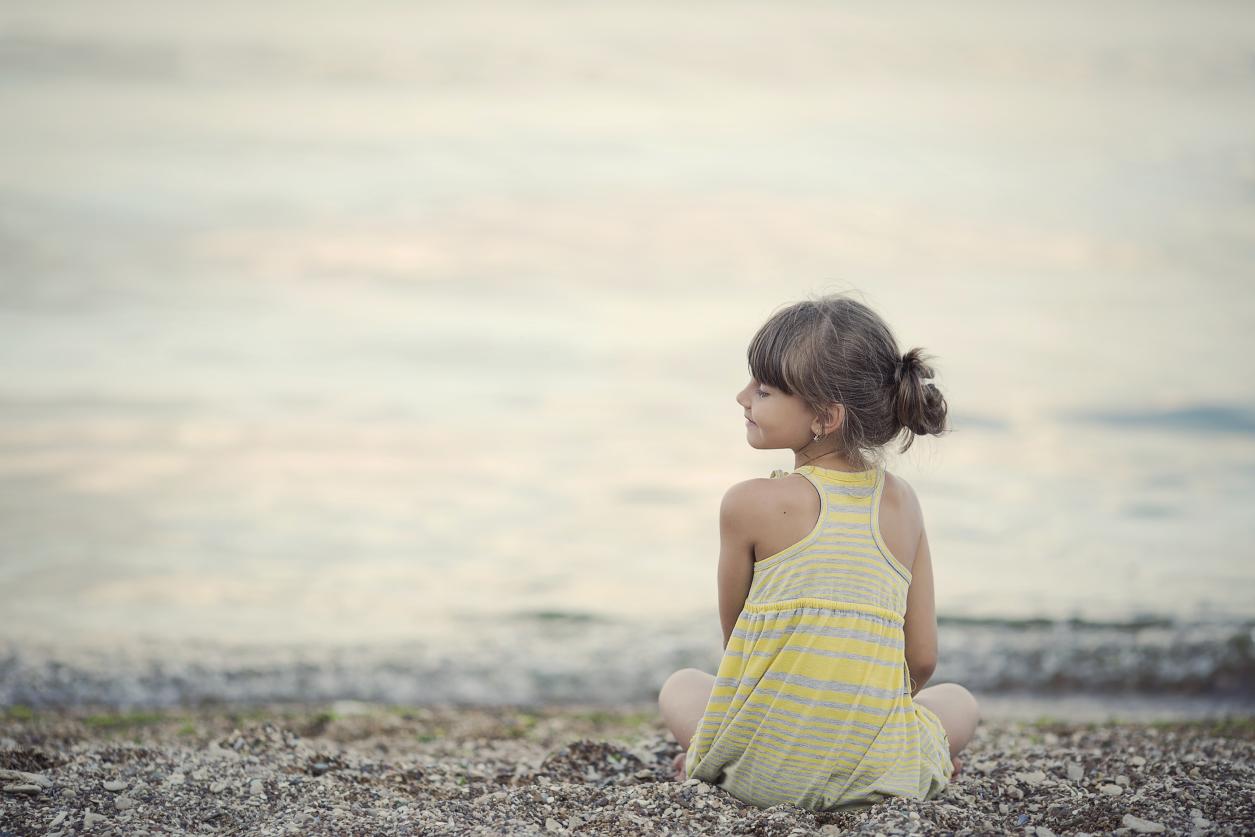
[{"x": 825, "y": 584}]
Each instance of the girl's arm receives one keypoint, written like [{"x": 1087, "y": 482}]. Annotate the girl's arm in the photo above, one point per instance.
[
  {"x": 736, "y": 551},
  {"x": 920, "y": 625}
]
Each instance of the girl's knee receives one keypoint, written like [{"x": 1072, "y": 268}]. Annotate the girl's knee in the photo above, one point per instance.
[
  {"x": 674, "y": 682},
  {"x": 967, "y": 701}
]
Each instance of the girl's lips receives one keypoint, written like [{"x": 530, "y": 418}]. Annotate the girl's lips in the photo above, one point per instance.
[{"x": 747, "y": 421}]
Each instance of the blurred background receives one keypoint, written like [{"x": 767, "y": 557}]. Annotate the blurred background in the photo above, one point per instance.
[{"x": 388, "y": 351}]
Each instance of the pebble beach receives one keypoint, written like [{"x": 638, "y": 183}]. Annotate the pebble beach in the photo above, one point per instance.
[{"x": 349, "y": 768}]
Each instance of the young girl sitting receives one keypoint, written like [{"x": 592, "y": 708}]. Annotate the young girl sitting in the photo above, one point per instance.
[{"x": 825, "y": 584}]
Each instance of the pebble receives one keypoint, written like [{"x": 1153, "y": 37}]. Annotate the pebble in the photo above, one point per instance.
[
  {"x": 21, "y": 777},
  {"x": 1122, "y": 781},
  {"x": 1111, "y": 790},
  {"x": 1140, "y": 825},
  {"x": 217, "y": 787},
  {"x": 1042, "y": 831},
  {"x": 115, "y": 785},
  {"x": 1075, "y": 772},
  {"x": 58, "y": 819},
  {"x": 257, "y": 788},
  {"x": 90, "y": 819},
  {"x": 1032, "y": 777},
  {"x": 124, "y": 803},
  {"x": 1137, "y": 761},
  {"x": 23, "y": 788}
]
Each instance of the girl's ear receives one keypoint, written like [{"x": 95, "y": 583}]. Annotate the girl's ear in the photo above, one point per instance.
[{"x": 834, "y": 418}]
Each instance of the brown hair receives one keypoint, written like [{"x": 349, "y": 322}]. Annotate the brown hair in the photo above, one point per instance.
[{"x": 836, "y": 349}]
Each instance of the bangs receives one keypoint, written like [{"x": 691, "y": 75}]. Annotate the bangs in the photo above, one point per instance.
[{"x": 778, "y": 351}]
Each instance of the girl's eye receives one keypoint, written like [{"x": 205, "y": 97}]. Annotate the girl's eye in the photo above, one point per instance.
[{"x": 763, "y": 393}]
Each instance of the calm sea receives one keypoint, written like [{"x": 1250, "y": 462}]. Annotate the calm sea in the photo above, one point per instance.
[{"x": 389, "y": 351}]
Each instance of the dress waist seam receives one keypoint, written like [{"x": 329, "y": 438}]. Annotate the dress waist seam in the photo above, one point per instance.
[{"x": 825, "y": 604}]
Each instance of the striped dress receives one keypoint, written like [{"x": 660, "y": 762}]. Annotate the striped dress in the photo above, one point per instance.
[{"x": 812, "y": 702}]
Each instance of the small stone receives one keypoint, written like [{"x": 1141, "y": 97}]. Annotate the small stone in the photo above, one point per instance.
[
  {"x": 90, "y": 819},
  {"x": 1137, "y": 761},
  {"x": 176, "y": 779},
  {"x": 1140, "y": 825},
  {"x": 1111, "y": 790},
  {"x": 319, "y": 767},
  {"x": 1042, "y": 831},
  {"x": 1014, "y": 792},
  {"x": 1032, "y": 777},
  {"x": 553, "y": 825},
  {"x": 21, "y": 777},
  {"x": 217, "y": 787},
  {"x": 58, "y": 819},
  {"x": 257, "y": 788},
  {"x": 1075, "y": 772},
  {"x": 27, "y": 789},
  {"x": 124, "y": 803},
  {"x": 114, "y": 785},
  {"x": 1122, "y": 781}
]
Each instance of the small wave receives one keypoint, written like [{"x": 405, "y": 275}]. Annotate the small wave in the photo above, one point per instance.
[{"x": 1198, "y": 418}]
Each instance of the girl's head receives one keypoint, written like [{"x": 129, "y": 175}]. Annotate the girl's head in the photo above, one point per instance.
[{"x": 830, "y": 367}]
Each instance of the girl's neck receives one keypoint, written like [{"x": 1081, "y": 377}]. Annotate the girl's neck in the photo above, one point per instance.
[{"x": 830, "y": 460}]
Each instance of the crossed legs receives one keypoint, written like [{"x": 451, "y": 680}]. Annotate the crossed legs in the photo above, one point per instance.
[{"x": 683, "y": 698}]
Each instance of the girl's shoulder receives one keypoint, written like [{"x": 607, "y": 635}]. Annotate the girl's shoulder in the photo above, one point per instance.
[{"x": 762, "y": 494}]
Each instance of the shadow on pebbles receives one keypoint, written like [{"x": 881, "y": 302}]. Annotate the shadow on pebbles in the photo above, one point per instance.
[{"x": 369, "y": 770}]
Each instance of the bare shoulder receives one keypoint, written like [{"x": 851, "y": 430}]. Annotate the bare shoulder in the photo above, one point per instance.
[
  {"x": 747, "y": 496},
  {"x": 901, "y": 519},
  {"x": 901, "y": 495},
  {"x": 762, "y": 499}
]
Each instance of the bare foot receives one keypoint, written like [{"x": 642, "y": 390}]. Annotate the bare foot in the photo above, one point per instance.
[
  {"x": 958, "y": 768},
  {"x": 678, "y": 764}
]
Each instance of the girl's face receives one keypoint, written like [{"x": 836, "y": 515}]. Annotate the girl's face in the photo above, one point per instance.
[{"x": 773, "y": 419}]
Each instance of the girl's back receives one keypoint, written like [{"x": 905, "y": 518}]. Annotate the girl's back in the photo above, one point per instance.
[{"x": 791, "y": 508}]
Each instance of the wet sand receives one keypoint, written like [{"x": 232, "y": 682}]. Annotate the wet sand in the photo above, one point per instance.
[{"x": 350, "y": 768}]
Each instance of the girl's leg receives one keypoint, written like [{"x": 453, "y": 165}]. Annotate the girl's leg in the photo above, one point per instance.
[
  {"x": 683, "y": 700},
  {"x": 958, "y": 711}
]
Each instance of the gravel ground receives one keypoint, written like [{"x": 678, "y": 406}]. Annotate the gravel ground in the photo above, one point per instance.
[{"x": 351, "y": 769}]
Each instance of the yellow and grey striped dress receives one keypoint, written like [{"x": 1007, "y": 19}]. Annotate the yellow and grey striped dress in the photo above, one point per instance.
[{"x": 812, "y": 701}]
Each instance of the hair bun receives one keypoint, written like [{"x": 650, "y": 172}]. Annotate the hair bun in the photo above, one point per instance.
[
  {"x": 907, "y": 364},
  {"x": 919, "y": 406}
]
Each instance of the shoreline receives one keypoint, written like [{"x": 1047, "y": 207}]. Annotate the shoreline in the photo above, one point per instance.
[{"x": 352, "y": 767}]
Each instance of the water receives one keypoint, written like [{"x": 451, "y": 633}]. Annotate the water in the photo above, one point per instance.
[{"x": 410, "y": 336}]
